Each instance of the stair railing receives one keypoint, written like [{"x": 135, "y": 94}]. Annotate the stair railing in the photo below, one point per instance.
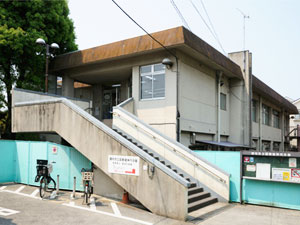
[{"x": 138, "y": 129}]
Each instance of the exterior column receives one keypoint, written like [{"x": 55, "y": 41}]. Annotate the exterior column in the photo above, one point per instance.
[
  {"x": 68, "y": 86},
  {"x": 97, "y": 101},
  {"x": 259, "y": 124},
  {"x": 282, "y": 131}
]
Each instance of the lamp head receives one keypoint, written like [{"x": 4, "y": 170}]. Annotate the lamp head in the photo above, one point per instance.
[
  {"x": 40, "y": 41},
  {"x": 54, "y": 46},
  {"x": 167, "y": 62}
]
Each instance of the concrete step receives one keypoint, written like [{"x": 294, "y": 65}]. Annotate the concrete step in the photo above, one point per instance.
[
  {"x": 198, "y": 196},
  {"x": 201, "y": 203},
  {"x": 194, "y": 190}
]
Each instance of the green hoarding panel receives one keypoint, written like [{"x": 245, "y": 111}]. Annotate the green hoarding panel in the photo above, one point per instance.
[
  {"x": 7, "y": 161},
  {"x": 229, "y": 162}
]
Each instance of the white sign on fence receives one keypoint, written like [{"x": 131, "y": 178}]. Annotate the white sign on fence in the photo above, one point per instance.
[{"x": 127, "y": 165}]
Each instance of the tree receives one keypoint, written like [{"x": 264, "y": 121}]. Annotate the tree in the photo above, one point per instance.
[{"x": 21, "y": 23}]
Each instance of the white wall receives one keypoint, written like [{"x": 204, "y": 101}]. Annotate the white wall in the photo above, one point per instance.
[{"x": 159, "y": 113}]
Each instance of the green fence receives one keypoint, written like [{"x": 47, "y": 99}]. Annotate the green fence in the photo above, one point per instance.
[
  {"x": 229, "y": 162},
  {"x": 18, "y": 162}
]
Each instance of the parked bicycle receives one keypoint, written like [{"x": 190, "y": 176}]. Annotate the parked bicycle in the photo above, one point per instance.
[
  {"x": 43, "y": 175},
  {"x": 87, "y": 179}
]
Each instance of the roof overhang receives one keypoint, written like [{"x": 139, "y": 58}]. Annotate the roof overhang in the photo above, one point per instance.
[
  {"x": 265, "y": 91},
  {"x": 173, "y": 39}
]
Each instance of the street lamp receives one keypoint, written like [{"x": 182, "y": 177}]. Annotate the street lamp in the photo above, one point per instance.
[{"x": 42, "y": 42}]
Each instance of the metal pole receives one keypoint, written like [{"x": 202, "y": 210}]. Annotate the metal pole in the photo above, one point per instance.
[
  {"x": 47, "y": 64},
  {"x": 298, "y": 137},
  {"x": 74, "y": 187},
  {"x": 57, "y": 187}
]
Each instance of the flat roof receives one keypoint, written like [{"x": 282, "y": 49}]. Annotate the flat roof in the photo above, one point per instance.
[
  {"x": 264, "y": 90},
  {"x": 171, "y": 38}
]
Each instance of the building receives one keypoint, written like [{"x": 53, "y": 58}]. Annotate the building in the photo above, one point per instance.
[
  {"x": 202, "y": 100},
  {"x": 159, "y": 99},
  {"x": 294, "y": 127}
]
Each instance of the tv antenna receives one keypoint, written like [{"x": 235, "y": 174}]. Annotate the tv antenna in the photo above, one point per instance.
[{"x": 244, "y": 25}]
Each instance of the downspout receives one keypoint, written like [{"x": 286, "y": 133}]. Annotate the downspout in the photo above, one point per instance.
[
  {"x": 219, "y": 77},
  {"x": 177, "y": 102},
  {"x": 250, "y": 100}
]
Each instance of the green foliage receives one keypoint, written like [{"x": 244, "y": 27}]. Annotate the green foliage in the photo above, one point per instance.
[{"x": 21, "y": 23}]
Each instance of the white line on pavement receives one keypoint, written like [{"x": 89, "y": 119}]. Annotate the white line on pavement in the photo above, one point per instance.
[
  {"x": 7, "y": 212},
  {"x": 115, "y": 209},
  {"x": 18, "y": 193},
  {"x": 19, "y": 189},
  {"x": 108, "y": 214},
  {"x": 93, "y": 205},
  {"x": 34, "y": 193},
  {"x": 2, "y": 188}
]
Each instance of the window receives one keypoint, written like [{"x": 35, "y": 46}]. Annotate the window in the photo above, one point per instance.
[
  {"x": 152, "y": 81},
  {"x": 265, "y": 114},
  {"x": 222, "y": 101},
  {"x": 275, "y": 118},
  {"x": 266, "y": 145},
  {"x": 276, "y": 146},
  {"x": 254, "y": 110}
]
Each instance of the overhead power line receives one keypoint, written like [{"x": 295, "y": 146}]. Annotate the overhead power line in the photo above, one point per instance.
[
  {"x": 208, "y": 27},
  {"x": 153, "y": 38},
  {"x": 180, "y": 15}
]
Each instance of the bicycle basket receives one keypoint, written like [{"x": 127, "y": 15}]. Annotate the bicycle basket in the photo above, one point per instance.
[
  {"x": 41, "y": 162},
  {"x": 42, "y": 170},
  {"x": 87, "y": 175}
]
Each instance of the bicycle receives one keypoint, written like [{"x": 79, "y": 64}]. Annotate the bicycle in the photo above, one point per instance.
[
  {"x": 43, "y": 171},
  {"x": 87, "y": 177}
]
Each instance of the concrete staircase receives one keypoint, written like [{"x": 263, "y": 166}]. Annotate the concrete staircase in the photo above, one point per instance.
[
  {"x": 178, "y": 181},
  {"x": 197, "y": 197}
]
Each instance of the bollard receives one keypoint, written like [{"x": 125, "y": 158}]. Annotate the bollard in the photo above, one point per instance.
[
  {"x": 74, "y": 188},
  {"x": 57, "y": 187}
]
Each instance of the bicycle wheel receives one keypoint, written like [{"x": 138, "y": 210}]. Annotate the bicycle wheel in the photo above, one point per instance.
[
  {"x": 43, "y": 187},
  {"x": 54, "y": 183}
]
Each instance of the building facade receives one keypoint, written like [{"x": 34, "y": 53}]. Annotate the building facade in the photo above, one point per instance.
[{"x": 189, "y": 92}]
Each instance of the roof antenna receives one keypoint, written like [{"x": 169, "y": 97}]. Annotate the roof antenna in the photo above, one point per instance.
[{"x": 244, "y": 26}]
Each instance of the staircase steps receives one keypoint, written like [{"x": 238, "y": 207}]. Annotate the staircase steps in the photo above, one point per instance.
[{"x": 197, "y": 198}]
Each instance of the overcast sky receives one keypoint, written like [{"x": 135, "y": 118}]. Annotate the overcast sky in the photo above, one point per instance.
[{"x": 272, "y": 31}]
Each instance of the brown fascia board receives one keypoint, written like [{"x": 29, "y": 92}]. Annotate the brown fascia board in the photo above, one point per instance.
[
  {"x": 170, "y": 38},
  {"x": 264, "y": 90}
]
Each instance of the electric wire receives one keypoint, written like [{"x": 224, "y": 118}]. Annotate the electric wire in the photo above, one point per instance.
[
  {"x": 208, "y": 27},
  {"x": 153, "y": 38},
  {"x": 180, "y": 15}
]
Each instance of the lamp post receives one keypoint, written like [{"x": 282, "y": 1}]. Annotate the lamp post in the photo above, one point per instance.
[{"x": 42, "y": 42}]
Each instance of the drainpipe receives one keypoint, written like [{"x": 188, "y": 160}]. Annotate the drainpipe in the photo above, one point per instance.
[
  {"x": 219, "y": 77},
  {"x": 298, "y": 137},
  {"x": 177, "y": 103}
]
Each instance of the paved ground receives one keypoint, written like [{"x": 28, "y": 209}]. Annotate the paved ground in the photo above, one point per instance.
[{"x": 20, "y": 204}]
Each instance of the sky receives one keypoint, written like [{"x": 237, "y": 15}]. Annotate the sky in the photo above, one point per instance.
[{"x": 272, "y": 31}]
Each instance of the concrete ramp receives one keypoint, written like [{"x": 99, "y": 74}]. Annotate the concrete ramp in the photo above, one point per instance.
[{"x": 162, "y": 190}]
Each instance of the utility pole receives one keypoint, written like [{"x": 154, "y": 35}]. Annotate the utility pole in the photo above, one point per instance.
[{"x": 244, "y": 25}]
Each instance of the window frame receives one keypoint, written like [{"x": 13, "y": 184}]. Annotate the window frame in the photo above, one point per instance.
[
  {"x": 152, "y": 73},
  {"x": 276, "y": 116},
  {"x": 225, "y": 97},
  {"x": 254, "y": 111},
  {"x": 264, "y": 117}
]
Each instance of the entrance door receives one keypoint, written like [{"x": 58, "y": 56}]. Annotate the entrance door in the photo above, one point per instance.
[{"x": 111, "y": 98}]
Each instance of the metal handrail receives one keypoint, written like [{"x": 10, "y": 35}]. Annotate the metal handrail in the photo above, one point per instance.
[{"x": 171, "y": 148}]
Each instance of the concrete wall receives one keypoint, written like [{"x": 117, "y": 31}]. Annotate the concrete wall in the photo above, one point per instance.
[
  {"x": 154, "y": 193},
  {"x": 197, "y": 101},
  {"x": 262, "y": 132},
  {"x": 159, "y": 113}
]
